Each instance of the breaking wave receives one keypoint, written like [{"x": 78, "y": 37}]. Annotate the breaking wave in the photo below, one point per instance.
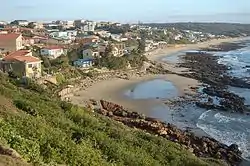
[{"x": 222, "y": 128}]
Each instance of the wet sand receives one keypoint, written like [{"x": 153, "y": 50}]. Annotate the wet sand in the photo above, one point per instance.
[{"x": 114, "y": 90}]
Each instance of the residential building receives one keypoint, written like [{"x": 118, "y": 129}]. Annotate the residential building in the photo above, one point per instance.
[
  {"x": 52, "y": 52},
  {"x": 11, "y": 42},
  {"x": 102, "y": 33},
  {"x": 60, "y": 34},
  {"x": 118, "y": 49},
  {"x": 3, "y": 23},
  {"x": 67, "y": 35},
  {"x": 10, "y": 29},
  {"x": 40, "y": 39},
  {"x": 22, "y": 64},
  {"x": 28, "y": 41},
  {"x": 68, "y": 24},
  {"x": 178, "y": 37},
  {"x": 117, "y": 24},
  {"x": 89, "y": 26},
  {"x": 103, "y": 24},
  {"x": 149, "y": 45},
  {"x": 84, "y": 40},
  {"x": 79, "y": 23},
  {"x": 94, "y": 49},
  {"x": 20, "y": 22},
  {"x": 84, "y": 63},
  {"x": 36, "y": 25},
  {"x": 51, "y": 26},
  {"x": 3, "y": 32},
  {"x": 91, "y": 52}
]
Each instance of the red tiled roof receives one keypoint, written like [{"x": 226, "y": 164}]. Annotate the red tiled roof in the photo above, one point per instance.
[
  {"x": 40, "y": 37},
  {"x": 21, "y": 55},
  {"x": 52, "y": 47},
  {"x": 28, "y": 59},
  {"x": 10, "y": 36}
]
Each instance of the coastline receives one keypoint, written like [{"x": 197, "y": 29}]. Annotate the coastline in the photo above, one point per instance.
[
  {"x": 159, "y": 53},
  {"x": 113, "y": 90}
]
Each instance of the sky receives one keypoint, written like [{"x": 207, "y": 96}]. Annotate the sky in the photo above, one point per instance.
[{"x": 128, "y": 11}]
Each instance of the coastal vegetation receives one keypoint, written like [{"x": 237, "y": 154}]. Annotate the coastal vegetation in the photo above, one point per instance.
[
  {"x": 227, "y": 29},
  {"x": 47, "y": 131}
]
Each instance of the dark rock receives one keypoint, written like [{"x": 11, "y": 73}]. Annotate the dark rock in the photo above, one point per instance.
[
  {"x": 9, "y": 152},
  {"x": 234, "y": 148},
  {"x": 201, "y": 147}
]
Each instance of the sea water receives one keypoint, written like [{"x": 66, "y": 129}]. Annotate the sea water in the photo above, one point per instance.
[
  {"x": 153, "y": 89},
  {"x": 230, "y": 128}
]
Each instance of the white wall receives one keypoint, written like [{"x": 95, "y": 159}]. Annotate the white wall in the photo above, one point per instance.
[{"x": 55, "y": 53}]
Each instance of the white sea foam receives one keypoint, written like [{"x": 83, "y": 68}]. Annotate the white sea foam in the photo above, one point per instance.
[
  {"x": 225, "y": 119},
  {"x": 228, "y": 137},
  {"x": 204, "y": 115}
]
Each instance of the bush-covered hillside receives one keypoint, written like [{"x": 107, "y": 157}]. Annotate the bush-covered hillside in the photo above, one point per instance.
[
  {"x": 44, "y": 131},
  {"x": 227, "y": 29}
]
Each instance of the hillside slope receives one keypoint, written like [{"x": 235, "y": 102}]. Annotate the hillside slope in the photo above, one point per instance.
[{"x": 44, "y": 130}]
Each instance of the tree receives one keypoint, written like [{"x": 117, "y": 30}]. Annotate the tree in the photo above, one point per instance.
[
  {"x": 141, "y": 45},
  {"x": 46, "y": 62},
  {"x": 108, "y": 50}
]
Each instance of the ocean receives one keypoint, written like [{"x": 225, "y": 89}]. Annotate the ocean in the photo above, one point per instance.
[{"x": 228, "y": 128}]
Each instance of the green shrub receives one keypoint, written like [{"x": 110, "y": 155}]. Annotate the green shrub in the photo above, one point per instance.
[{"x": 62, "y": 133}]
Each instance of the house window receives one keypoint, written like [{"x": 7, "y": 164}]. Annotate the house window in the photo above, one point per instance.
[{"x": 29, "y": 65}]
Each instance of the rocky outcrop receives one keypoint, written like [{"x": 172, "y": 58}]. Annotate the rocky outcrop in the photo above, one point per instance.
[
  {"x": 229, "y": 101},
  {"x": 9, "y": 152},
  {"x": 202, "y": 147},
  {"x": 205, "y": 68},
  {"x": 225, "y": 47}
]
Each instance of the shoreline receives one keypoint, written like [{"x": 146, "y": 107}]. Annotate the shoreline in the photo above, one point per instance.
[
  {"x": 157, "y": 54},
  {"x": 113, "y": 90}
]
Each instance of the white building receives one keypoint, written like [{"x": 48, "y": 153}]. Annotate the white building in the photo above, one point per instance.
[
  {"x": 118, "y": 37},
  {"x": 178, "y": 37},
  {"x": 84, "y": 63},
  {"x": 52, "y": 52},
  {"x": 20, "y": 22},
  {"x": 3, "y": 23},
  {"x": 79, "y": 23},
  {"x": 70, "y": 34},
  {"x": 89, "y": 26},
  {"x": 103, "y": 33}
]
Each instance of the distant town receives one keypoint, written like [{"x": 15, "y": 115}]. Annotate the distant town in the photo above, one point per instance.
[{"x": 36, "y": 49}]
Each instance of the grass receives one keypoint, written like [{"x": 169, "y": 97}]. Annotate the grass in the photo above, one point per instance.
[{"x": 47, "y": 131}]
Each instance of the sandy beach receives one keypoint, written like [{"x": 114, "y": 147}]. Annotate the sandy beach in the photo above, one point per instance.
[
  {"x": 113, "y": 89},
  {"x": 158, "y": 53}
]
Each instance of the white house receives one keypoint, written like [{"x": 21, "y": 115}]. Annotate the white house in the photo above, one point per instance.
[
  {"x": 89, "y": 26},
  {"x": 59, "y": 34},
  {"x": 52, "y": 51},
  {"x": 84, "y": 63},
  {"x": 20, "y": 22},
  {"x": 116, "y": 37},
  {"x": 178, "y": 37},
  {"x": 103, "y": 33}
]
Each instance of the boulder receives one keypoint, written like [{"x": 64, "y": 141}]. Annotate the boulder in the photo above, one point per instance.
[{"x": 9, "y": 152}]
